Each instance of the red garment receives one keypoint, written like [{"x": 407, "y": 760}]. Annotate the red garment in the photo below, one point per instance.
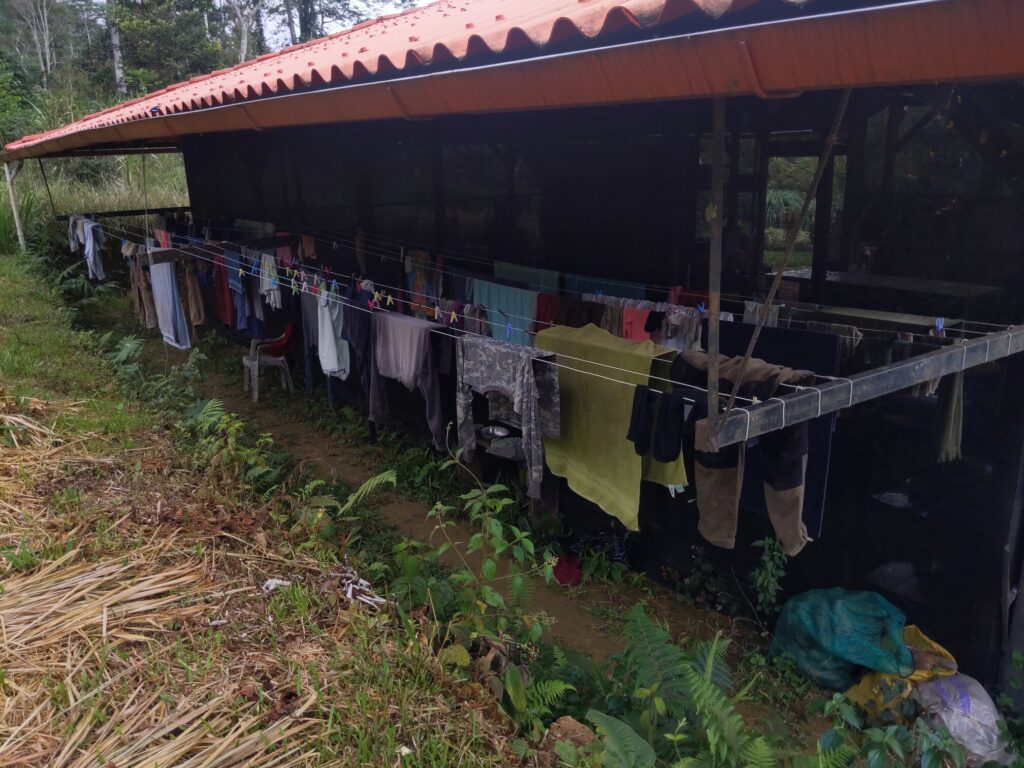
[
  {"x": 222, "y": 291},
  {"x": 162, "y": 237},
  {"x": 568, "y": 571},
  {"x": 684, "y": 297},
  {"x": 549, "y": 305},
  {"x": 285, "y": 256},
  {"x": 633, "y": 322}
]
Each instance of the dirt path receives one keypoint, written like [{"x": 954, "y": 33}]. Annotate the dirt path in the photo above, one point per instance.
[{"x": 589, "y": 620}]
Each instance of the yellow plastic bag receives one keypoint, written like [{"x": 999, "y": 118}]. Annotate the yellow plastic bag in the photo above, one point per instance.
[{"x": 878, "y": 692}]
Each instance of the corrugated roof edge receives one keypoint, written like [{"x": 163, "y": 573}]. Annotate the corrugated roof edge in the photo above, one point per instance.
[{"x": 556, "y": 25}]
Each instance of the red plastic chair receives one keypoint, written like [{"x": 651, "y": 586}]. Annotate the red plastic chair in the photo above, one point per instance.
[{"x": 267, "y": 353}]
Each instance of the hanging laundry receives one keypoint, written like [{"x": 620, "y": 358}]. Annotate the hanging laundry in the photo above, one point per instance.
[
  {"x": 87, "y": 235},
  {"x": 549, "y": 307},
  {"x": 850, "y": 334},
  {"x": 718, "y": 477},
  {"x": 357, "y": 330},
  {"x": 680, "y": 328},
  {"x": 611, "y": 320},
  {"x": 402, "y": 351},
  {"x": 577, "y": 285},
  {"x": 591, "y": 452},
  {"x": 193, "y": 293},
  {"x": 534, "y": 278},
  {"x": 222, "y": 290},
  {"x": 634, "y": 322},
  {"x": 163, "y": 237},
  {"x": 753, "y": 311},
  {"x": 577, "y": 313},
  {"x": 331, "y": 345},
  {"x": 475, "y": 320},
  {"x": 307, "y": 249},
  {"x": 310, "y": 310},
  {"x": 799, "y": 350},
  {"x": 507, "y": 306},
  {"x": 423, "y": 277},
  {"x": 506, "y": 371},
  {"x": 685, "y": 297},
  {"x": 641, "y": 419},
  {"x": 142, "y": 292},
  {"x": 167, "y": 301},
  {"x": 270, "y": 287}
]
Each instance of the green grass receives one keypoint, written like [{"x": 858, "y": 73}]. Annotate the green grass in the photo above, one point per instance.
[{"x": 42, "y": 355}]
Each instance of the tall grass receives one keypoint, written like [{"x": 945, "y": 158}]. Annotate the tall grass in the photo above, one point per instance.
[{"x": 86, "y": 186}]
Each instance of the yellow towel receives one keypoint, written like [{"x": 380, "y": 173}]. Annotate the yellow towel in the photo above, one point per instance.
[{"x": 593, "y": 454}]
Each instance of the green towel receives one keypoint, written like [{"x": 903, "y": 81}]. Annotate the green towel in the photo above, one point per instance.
[{"x": 593, "y": 454}]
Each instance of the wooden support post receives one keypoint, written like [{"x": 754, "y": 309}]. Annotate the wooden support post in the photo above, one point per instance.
[
  {"x": 11, "y": 174},
  {"x": 715, "y": 256},
  {"x": 822, "y": 229},
  {"x": 710, "y": 437}
]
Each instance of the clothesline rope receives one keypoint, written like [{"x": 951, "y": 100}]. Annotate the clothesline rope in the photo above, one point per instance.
[
  {"x": 350, "y": 241},
  {"x": 530, "y": 320},
  {"x": 317, "y": 271},
  {"x": 293, "y": 284},
  {"x": 738, "y": 299}
]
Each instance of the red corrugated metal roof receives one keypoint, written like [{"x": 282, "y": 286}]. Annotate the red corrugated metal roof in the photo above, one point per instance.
[
  {"x": 916, "y": 41},
  {"x": 438, "y": 34}
]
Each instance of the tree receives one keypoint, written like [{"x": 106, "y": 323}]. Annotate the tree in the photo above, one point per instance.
[
  {"x": 35, "y": 15},
  {"x": 115, "y": 48},
  {"x": 246, "y": 12}
]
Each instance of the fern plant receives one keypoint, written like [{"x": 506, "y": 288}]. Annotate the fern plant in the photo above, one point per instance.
[{"x": 679, "y": 701}]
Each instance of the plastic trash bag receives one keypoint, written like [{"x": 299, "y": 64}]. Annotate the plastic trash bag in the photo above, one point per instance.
[
  {"x": 833, "y": 634},
  {"x": 963, "y": 705},
  {"x": 879, "y": 692}
]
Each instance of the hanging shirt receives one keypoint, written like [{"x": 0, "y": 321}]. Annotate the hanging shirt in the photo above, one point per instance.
[
  {"x": 269, "y": 286},
  {"x": 753, "y": 311},
  {"x": 495, "y": 367},
  {"x": 592, "y": 452},
  {"x": 423, "y": 276},
  {"x": 331, "y": 345},
  {"x": 167, "y": 300},
  {"x": 402, "y": 351},
  {"x": 510, "y": 311}
]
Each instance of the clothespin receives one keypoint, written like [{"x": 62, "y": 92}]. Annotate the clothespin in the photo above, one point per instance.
[
  {"x": 369, "y": 303},
  {"x": 241, "y": 271},
  {"x": 391, "y": 300},
  {"x": 327, "y": 271},
  {"x": 508, "y": 330},
  {"x": 334, "y": 245},
  {"x": 334, "y": 286},
  {"x": 600, "y": 292},
  {"x": 437, "y": 311},
  {"x": 940, "y": 323},
  {"x": 455, "y": 318},
  {"x": 376, "y": 297},
  {"x": 700, "y": 308}
]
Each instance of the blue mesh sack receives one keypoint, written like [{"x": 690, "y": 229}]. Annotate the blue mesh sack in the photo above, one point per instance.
[{"x": 833, "y": 634}]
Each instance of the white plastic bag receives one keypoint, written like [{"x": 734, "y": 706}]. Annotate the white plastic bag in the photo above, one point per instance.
[{"x": 962, "y": 705}]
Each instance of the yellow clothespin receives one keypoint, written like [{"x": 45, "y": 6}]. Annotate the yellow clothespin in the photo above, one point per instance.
[
  {"x": 376, "y": 297},
  {"x": 455, "y": 317},
  {"x": 391, "y": 300}
]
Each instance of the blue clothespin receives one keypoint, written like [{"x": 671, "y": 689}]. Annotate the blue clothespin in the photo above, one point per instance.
[
  {"x": 508, "y": 330},
  {"x": 334, "y": 286},
  {"x": 700, "y": 307},
  {"x": 600, "y": 292},
  {"x": 940, "y": 323}
]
